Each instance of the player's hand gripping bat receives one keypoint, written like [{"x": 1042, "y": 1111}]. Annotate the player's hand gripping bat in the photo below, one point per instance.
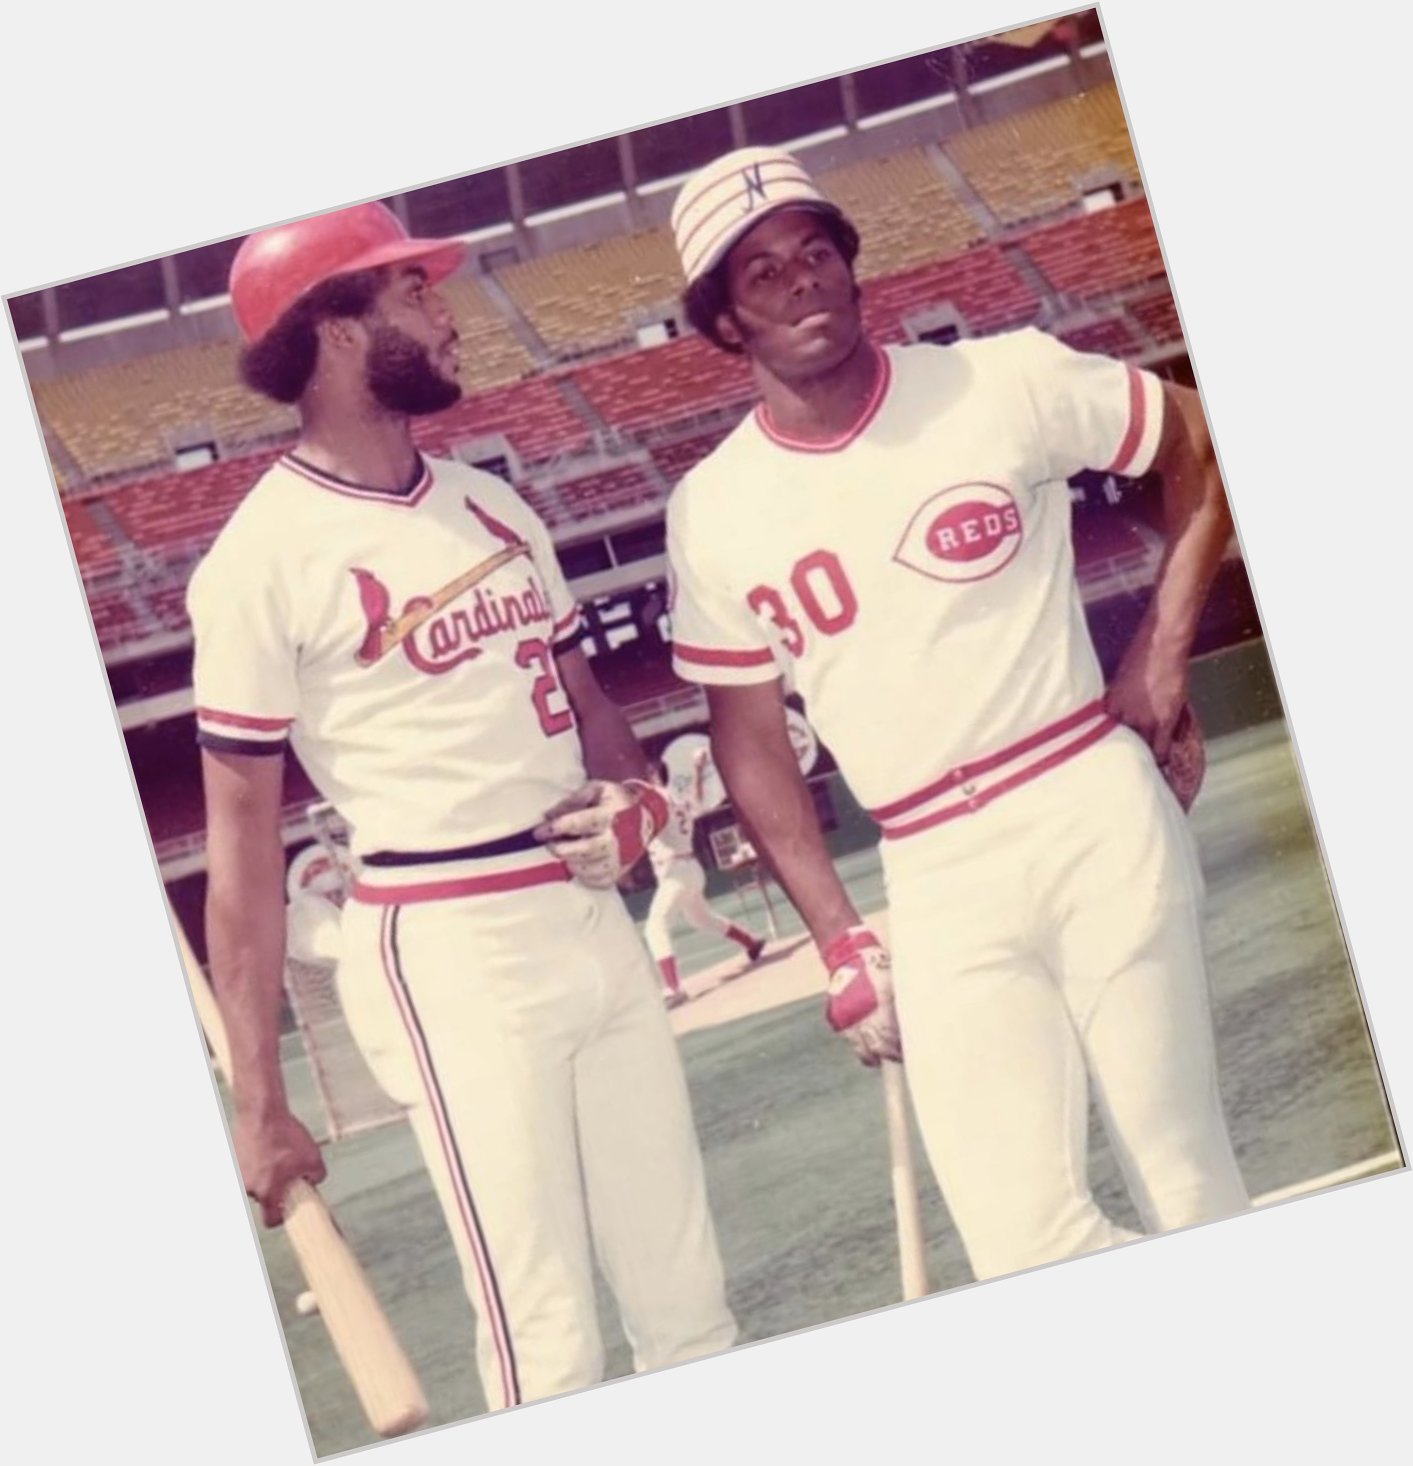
[{"x": 380, "y": 1373}]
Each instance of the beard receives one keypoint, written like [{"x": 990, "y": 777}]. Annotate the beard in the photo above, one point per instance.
[{"x": 401, "y": 376}]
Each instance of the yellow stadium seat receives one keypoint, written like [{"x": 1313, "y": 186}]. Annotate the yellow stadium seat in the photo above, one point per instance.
[
  {"x": 904, "y": 210},
  {"x": 580, "y": 298},
  {"x": 1037, "y": 162}
]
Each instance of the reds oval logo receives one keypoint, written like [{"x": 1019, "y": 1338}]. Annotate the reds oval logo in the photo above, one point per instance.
[{"x": 963, "y": 533}]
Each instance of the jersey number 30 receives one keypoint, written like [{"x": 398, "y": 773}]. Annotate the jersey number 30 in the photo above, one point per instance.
[{"x": 825, "y": 596}]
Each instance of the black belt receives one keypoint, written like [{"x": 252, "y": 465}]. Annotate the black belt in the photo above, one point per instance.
[{"x": 506, "y": 845}]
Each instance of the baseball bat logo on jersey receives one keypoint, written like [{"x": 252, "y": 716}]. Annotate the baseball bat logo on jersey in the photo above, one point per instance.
[
  {"x": 963, "y": 533},
  {"x": 435, "y": 636}
]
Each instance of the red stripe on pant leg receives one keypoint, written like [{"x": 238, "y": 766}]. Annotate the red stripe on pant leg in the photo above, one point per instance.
[{"x": 493, "y": 1307}]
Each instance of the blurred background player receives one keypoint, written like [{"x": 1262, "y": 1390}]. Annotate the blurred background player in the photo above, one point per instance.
[
  {"x": 317, "y": 885},
  {"x": 403, "y": 625},
  {"x": 892, "y": 529},
  {"x": 681, "y": 881}
]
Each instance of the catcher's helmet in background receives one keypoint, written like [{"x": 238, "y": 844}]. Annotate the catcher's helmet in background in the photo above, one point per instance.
[{"x": 273, "y": 268}]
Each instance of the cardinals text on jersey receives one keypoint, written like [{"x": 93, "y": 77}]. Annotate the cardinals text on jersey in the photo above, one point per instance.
[{"x": 405, "y": 646}]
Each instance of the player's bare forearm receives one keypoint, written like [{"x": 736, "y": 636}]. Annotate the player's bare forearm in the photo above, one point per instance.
[
  {"x": 245, "y": 920},
  {"x": 1198, "y": 524},
  {"x": 1150, "y": 686},
  {"x": 611, "y": 748},
  {"x": 752, "y": 751}
]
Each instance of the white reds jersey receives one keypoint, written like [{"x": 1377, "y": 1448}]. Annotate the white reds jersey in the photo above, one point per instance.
[
  {"x": 403, "y": 644},
  {"x": 914, "y": 580}
]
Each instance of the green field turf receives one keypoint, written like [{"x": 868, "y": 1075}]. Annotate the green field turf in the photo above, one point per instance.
[{"x": 792, "y": 1129}]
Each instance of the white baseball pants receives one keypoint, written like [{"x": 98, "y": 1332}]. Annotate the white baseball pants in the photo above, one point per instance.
[
  {"x": 526, "y": 1034},
  {"x": 681, "y": 891},
  {"x": 1045, "y": 942}
]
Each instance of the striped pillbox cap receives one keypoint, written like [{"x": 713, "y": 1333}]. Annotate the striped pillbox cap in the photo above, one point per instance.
[{"x": 718, "y": 204}]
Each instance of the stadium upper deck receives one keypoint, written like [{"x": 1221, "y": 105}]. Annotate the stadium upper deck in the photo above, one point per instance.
[{"x": 583, "y": 383}]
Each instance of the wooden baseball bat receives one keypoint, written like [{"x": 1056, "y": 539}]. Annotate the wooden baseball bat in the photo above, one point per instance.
[
  {"x": 381, "y": 1374},
  {"x": 912, "y": 1260}
]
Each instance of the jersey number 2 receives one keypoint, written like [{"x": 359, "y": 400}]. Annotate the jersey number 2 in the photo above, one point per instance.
[
  {"x": 824, "y": 593},
  {"x": 536, "y": 654}
]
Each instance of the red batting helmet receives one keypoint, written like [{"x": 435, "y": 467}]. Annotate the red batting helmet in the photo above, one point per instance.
[{"x": 272, "y": 269}]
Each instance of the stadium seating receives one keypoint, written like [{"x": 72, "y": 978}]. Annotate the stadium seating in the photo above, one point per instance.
[
  {"x": 122, "y": 419},
  {"x": 676, "y": 458},
  {"x": 578, "y": 298},
  {"x": 665, "y": 384},
  {"x": 924, "y": 250},
  {"x": 903, "y": 209},
  {"x": 184, "y": 511},
  {"x": 534, "y": 415},
  {"x": 115, "y": 618},
  {"x": 94, "y": 550},
  {"x": 491, "y": 353},
  {"x": 1158, "y": 313},
  {"x": 168, "y": 604},
  {"x": 1112, "y": 336},
  {"x": 1096, "y": 254},
  {"x": 626, "y": 486},
  {"x": 982, "y": 284},
  {"x": 1037, "y": 162}
]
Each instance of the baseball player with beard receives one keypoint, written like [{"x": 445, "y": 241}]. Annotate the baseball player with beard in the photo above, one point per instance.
[
  {"x": 890, "y": 531},
  {"x": 681, "y": 884},
  {"x": 402, "y": 624}
]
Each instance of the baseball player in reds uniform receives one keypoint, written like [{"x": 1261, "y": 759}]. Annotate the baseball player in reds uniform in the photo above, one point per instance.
[
  {"x": 681, "y": 884},
  {"x": 889, "y": 533},
  {"x": 402, "y": 625}
]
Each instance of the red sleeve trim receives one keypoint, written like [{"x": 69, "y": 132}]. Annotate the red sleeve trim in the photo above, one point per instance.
[
  {"x": 241, "y": 720},
  {"x": 1137, "y": 413},
  {"x": 706, "y": 656}
]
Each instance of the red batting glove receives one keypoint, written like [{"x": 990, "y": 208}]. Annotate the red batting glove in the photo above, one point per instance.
[
  {"x": 860, "y": 1004},
  {"x": 604, "y": 829}
]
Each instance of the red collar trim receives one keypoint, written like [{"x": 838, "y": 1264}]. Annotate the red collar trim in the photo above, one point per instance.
[
  {"x": 350, "y": 490},
  {"x": 870, "y": 411}
]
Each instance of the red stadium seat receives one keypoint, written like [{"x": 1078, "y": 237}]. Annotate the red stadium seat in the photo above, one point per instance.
[
  {"x": 1097, "y": 254},
  {"x": 665, "y": 384},
  {"x": 185, "y": 511},
  {"x": 1111, "y": 337},
  {"x": 94, "y": 549},
  {"x": 534, "y": 415},
  {"x": 675, "y": 459},
  {"x": 1158, "y": 313},
  {"x": 607, "y": 491},
  {"x": 982, "y": 285}
]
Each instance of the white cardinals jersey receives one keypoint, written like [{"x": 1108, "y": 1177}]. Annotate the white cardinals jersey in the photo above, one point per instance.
[
  {"x": 914, "y": 580},
  {"x": 403, "y": 643}
]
